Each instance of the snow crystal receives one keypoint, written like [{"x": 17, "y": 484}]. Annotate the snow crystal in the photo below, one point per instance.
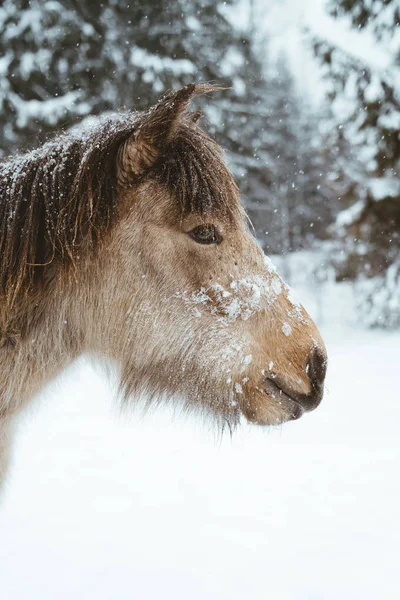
[
  {"x": 229, "y": 355},
  {"x": 292, "y": 299},
  {"x": 271, "y": 365},
  {"x": 269, "y": 265},
  {"x": 287, "y": 330},
  {"x": 276, "y": 286},
  {"x": 247, "y": 360},
  {"x": 238, "y": 388},
  {"x": 244, "y": 298}
]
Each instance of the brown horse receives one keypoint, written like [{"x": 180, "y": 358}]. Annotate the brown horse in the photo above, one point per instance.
[{"x": 127, "y": 240}]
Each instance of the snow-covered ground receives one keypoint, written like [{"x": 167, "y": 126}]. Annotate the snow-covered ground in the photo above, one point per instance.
[{"x": 100, "y": 506}]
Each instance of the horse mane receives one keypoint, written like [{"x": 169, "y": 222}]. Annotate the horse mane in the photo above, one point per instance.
[{"x": 57, "y": 201}]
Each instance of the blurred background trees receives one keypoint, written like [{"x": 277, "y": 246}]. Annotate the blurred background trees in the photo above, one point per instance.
[
  {"x": 321, "y": 179},
  {"x": 364, "y": 88}
]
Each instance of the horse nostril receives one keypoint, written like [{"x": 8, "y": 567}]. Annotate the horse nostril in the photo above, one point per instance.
[
  {"x": 277, "y": 387},
  {"x": 317, "y": 367},
  {"x": 316, "y": 373}
]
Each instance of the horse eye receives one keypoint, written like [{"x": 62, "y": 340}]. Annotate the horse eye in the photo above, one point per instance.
[{"x": 205, "y": 234}]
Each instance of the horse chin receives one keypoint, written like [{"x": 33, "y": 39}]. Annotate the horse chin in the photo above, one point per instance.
[{"x": 267, "y": 410}]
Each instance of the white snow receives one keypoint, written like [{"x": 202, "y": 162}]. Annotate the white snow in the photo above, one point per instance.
[
  {"x": 383, "y": 187},
  {"x": 290, "y": 25},
  {"x": 238, "y": 388},
  {"x": 99, "y": 506},
  {"x": 49, "y": 110},
  {"x": 287, "y": 330},
  {"x": 233, "y": 61},
  {"x": 269, "y": 265},
  {"x": 247, "y": 360},
  {"x": 244, "y": 297},
  {"x": 276, "y": 286},
  {"x": 350, "y": 215},
  {"x": 156, "y": 64},
  {"x": 379, "y": 188}
]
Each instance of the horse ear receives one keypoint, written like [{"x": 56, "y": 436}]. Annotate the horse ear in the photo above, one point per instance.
[
  {"x": 139, "y": 152},
  {"x": 156, "y": 130}
]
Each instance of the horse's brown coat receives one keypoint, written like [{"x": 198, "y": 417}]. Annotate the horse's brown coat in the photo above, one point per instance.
[{"x": 95, "y": 258}]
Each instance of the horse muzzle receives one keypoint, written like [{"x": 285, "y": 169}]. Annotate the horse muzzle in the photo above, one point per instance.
[{"x": 298, "y": 403}]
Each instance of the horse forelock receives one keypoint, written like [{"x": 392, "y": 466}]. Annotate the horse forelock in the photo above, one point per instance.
[{"x": 195, "y": 172}]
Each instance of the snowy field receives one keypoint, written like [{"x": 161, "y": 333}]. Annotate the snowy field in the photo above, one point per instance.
[{"x": 102, "y": 507}]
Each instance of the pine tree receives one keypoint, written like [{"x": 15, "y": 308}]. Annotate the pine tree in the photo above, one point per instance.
[
  {"x": 369, "y": 98},
  {"x": 75, "y": 58},
  {"x": 366, "y": 87},
  {"x": 287, "y": 191}
]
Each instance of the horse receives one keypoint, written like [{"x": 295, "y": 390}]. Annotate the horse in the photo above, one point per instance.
[{"x": 126, "y": 240}]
